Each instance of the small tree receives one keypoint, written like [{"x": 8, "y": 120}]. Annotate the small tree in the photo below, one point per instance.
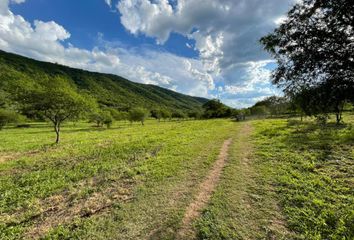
[
  {"x": 57, "y": 101},
  {"x": 8, "y": 116},
  {"x": 118, "y": 115},
  {"x": 157, "y": 114},
  {"x": 138, "y": 115},
  {"x": 102, "y": 118},
  {"x": 165, "y": 114}
]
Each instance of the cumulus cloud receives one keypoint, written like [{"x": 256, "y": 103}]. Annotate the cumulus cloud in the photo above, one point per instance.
[
  {"x": 226, "y": 32},
  {"x": 48, "y": 41}
]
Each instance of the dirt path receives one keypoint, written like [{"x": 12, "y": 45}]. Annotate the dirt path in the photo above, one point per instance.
[{"x": 205, "y": 191}]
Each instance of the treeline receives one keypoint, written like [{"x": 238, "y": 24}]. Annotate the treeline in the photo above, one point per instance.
[{"x": 58, "y": 100}]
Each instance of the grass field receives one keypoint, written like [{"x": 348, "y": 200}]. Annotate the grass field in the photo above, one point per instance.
[{"x": 283, "y": 179}]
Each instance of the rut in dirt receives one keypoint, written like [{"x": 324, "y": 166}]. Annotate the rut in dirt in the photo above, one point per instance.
[{"x": 205, "y": 192}]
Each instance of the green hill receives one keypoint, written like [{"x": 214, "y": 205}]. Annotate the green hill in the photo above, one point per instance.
[{"x": 109, "y": 90}]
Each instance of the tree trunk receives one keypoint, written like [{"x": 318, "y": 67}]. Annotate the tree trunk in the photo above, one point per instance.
[
  {"x": 339, "y": 109},
  {"x": 57, "y": 131},
  {"x": 338, "y": 117}
]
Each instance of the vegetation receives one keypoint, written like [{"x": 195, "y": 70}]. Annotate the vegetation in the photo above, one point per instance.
[
  {"x": 107, "y": 89},
  {"x": 103, "y": 118},
  {"x": 138, "y": 115},
  {"x": 8, "y": 116},
  {"x": 215, "y": 109},
  {"x": 126, "y": 182},
  {"x": 298, "y": 187},
  {"x": 313, "y": 49}
]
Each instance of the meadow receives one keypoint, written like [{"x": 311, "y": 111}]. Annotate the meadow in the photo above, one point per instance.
[{"x": 283, "y": 179}]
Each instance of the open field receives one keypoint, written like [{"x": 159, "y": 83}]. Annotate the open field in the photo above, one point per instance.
[{"x": 281, "y": 179}]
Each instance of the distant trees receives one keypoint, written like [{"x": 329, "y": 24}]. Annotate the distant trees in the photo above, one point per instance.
[
  {"x": 314, "y": 52},
  {"x": 138, "y": 115},
  {"x": 194, "y": 114},
  {"x": 178, "y": 115},
  {"x": 273, "y": 105},
  {"x": 215, "y": 109},
  {"x": 57, "y": 101}
]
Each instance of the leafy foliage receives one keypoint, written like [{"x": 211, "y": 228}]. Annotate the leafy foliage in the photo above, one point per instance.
[
  {"x": 8, "y": 116},
  {"x": 215, "y": 109},
  {"x": 56, "y": 100},
  {"x": 314, "y": 52},
  {"x": 138, "y": 115}
]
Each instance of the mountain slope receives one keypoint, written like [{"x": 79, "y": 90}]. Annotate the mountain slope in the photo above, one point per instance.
[{"x": 109, "y": 90}]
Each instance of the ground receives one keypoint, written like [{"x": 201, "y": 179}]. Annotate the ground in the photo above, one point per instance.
[{"x": 212, "y": 179}]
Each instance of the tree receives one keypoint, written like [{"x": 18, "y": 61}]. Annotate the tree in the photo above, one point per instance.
[
  {"x": 156, "y": 113},
  {"x": 259, "y": 110},
  {"x": 178, "y": 115},
  {"x": 138, "y": 115},
  {"x": 102, "y": 118},
  {"x": 275, "y": 105},
  {"x": 314, "y": 50},
  {"x": 118, "y": 115},
  {"x": 57, "y": 100},
  {"x": 8, "y": 116},
  {"x": 194, "y": 114},
  {"x": 215, "y": 109},
  {"x": 165, "y": 114}
]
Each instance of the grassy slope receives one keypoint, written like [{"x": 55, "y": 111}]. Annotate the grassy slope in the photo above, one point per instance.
[
  {"x": 108, "y": 89},
  {"x": 302, "y": 170},
  {"x": 123, "y": 183}
]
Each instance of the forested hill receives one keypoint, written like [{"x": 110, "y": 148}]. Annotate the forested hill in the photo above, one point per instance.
[{"x": 109, "y": 90}]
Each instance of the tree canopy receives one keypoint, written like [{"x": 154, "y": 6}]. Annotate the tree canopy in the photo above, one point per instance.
[
  {"x": 55, "y": 100},
  {"x": 314, "y": 49}
]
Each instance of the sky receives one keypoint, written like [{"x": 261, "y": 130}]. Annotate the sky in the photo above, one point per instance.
[{"x": 205, "y": 48}]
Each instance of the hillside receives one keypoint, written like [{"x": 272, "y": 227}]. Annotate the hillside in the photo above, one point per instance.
[{"x": 109, "y": 90}]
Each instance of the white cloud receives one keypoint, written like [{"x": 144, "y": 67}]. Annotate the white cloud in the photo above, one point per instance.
[
  {"x": 226, "y": 34},
  {"x": 47, "y": 41},
  {"x": 108, "y": 2},
  {"x": 225, "y": 31}
]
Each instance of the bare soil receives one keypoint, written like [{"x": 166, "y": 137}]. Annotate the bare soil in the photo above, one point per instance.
[{"x": 205, "y": 191}]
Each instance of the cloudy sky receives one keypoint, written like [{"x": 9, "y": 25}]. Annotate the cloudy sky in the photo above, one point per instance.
[{"x": 206, "y": 48}]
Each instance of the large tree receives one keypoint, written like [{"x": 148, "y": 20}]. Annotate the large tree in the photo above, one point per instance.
[
  {"x": 314, "y": 49},
  {"x": 56, "y": 100}
]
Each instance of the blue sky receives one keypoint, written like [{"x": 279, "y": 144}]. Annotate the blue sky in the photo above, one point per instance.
[{"x": 205, "y": 48}]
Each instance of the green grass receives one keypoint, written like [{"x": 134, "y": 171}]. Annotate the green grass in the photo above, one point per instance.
[
  {"x": 120, "y": 183},
  {"x": 284, "y": 179},
  {"x": 299, "y": 185}
]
